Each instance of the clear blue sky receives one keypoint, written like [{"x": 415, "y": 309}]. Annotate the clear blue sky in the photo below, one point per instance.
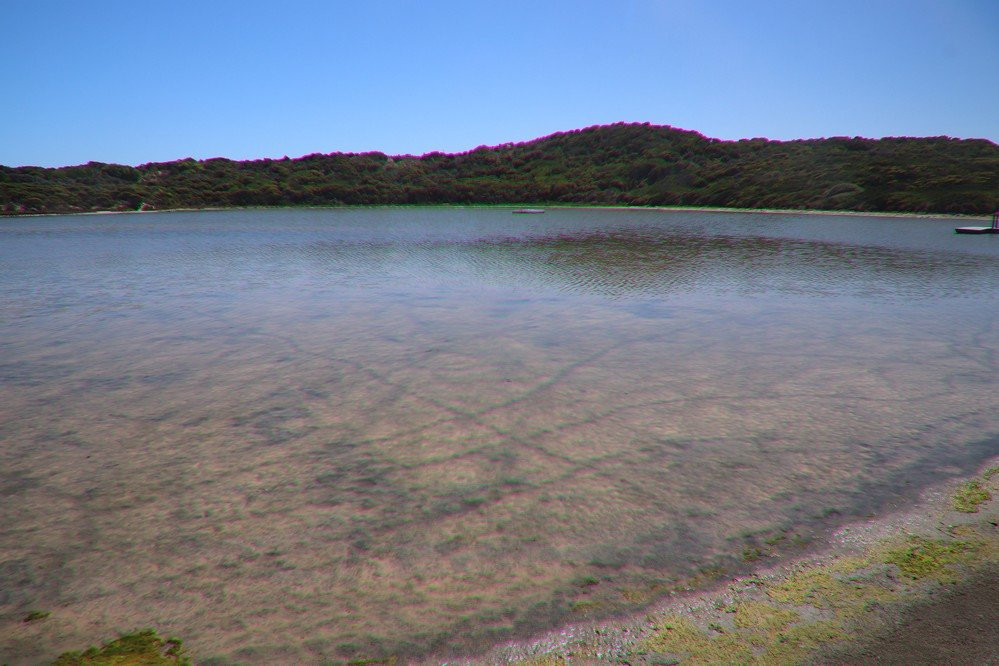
[{"x": 136, "y": 81}]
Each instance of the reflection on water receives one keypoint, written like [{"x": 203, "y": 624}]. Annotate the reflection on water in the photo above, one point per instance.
[{"x": 309, "y": 435}]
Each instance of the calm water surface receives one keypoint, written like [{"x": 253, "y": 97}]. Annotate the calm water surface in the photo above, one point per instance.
[{"x": 314, "y": 435}]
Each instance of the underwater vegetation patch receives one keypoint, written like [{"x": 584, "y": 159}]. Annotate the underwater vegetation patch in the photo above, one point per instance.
[{"x": 140, "y": 648}]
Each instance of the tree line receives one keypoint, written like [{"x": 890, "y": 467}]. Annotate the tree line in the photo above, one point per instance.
[{"x": 621, "y": 164}]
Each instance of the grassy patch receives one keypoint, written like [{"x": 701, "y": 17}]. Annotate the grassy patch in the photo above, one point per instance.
[
  {"x": 36, "y": 615},
  {"x": 141, "y": 648},
  {"x": 757, "y": 616},
  {"x": 840, "y": 588},
  {"x": 792, "y": 645},
  {"x": 544, "y": 660},
  {"x": 678, "y": 636},
  {"x": 926, "y": 557},
  {"x": 969, "y": 495},
  {"x": 764, "y": 634}
]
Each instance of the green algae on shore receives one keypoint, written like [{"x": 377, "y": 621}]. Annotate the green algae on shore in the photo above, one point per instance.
[
  {"x": 922, "y": 557},
  {"x": 969, "y": 496},
  {"x": 819, "y": 606},
  {"x": 814, "y": 609}
]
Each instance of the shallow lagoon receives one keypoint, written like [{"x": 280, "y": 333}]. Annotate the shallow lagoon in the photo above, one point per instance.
[{"x": 325, "y": 434}]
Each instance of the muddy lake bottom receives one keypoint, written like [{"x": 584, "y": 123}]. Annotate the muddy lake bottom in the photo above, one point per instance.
[{"x": 308, "y": 436}]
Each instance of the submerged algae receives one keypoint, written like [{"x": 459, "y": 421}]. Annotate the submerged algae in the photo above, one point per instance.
[
  {"x": 144, "y": 648},
  {"x": 36, "y": 615}
]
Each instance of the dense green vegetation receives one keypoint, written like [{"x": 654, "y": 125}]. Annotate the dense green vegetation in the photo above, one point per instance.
[{"x": 622, "y": 164}]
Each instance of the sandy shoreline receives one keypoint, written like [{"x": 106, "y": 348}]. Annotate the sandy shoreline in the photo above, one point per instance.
[{"x": 884, "y": 623}]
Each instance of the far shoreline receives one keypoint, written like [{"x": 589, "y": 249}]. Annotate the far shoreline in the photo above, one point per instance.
[{"x": 660, "y": 209}]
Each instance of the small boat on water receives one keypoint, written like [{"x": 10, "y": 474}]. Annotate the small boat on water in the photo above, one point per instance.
[
  {"x": 528, "y": 211},
  {"x": 994, "y": 229}
]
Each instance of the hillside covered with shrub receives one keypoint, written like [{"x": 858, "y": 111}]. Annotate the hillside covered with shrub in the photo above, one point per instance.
[{"x": 622, "y": 164}]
